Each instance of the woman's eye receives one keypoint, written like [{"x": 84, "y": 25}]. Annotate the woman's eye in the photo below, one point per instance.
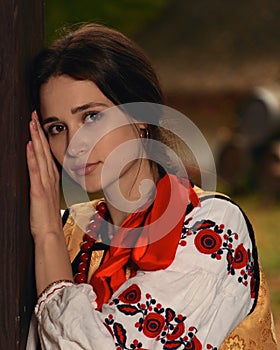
[
  {"x": 92, "y": 117},
  {"x": 56, "y": 129}
]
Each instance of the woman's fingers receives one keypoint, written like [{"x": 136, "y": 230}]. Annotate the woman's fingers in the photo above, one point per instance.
[
  {"x": 46, "y": 148},
  {"x": 38, "y": 148},
  {"x": 42, "y": 152},
  {"x": 33, "y": 168}
]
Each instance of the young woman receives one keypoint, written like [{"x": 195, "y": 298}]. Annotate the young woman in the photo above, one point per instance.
[{"x": 155, "y": 264}]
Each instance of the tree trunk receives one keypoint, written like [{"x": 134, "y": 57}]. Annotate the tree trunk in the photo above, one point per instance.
[{"x": 21, "y": 28}]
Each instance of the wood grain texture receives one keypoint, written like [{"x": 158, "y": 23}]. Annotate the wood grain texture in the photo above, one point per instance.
[{"x": 21, "y": 37}]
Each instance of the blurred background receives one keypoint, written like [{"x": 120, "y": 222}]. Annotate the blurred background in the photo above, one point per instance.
[{"x": 219, "y": 64}]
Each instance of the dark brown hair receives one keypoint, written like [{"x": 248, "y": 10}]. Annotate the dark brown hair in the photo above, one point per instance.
[{"x": 108, "y": 58}]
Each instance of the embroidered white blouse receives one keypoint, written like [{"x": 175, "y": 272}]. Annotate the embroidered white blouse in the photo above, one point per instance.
[{"x": 210, "y": 287}]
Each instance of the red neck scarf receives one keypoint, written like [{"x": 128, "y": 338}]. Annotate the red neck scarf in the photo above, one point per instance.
[{"x": 146, "y": 240}]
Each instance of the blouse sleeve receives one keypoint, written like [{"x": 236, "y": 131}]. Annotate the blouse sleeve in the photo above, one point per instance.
[{"x": 210, "y": 287}]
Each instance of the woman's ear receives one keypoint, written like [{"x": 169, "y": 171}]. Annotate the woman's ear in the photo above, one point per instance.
[{"x": 142, "y": 126}]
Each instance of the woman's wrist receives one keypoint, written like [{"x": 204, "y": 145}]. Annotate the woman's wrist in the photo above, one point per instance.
[
  {"x": 43, "y": 237},
  {"x": 53, "y": 285},
  {"x": 52, "y": 261}
]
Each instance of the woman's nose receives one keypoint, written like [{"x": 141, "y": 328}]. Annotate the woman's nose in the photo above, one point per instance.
[
  {"x": 76, "y": 150},
  {"x": 77, "y": 145}
]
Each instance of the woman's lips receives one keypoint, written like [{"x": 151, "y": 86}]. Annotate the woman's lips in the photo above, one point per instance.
[{"x": 85, "y": 169}]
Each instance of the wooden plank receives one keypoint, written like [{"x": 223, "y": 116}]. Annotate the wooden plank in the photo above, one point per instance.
[{"x": 21, "y": 36}]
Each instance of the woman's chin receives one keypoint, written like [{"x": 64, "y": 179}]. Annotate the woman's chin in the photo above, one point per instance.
[
  {"x": 92, "y": 190},
  {"x": 87, "y": 185}
]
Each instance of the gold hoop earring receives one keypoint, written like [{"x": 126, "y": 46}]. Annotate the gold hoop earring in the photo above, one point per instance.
[{"x": 144, "y": 133}]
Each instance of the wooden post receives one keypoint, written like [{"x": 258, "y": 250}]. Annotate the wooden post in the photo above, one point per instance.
[{"x": 21, "y": 36}]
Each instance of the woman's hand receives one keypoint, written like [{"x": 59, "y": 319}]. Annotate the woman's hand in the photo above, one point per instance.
[
  {"x": 44, "y": 184},
  {"x": 52, "y": 261}
]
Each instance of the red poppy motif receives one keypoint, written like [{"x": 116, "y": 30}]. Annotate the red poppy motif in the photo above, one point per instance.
[
  {"x": 208, "y": 241},
  {"x": 219, "y": 242},
  {"x": 131, "y": 295},
  {"x": 194, "y": 344},
  {"x": 240, "y": 259},
  {"x": 177, "y": 332},
  {"x": 153, "y": 324}
]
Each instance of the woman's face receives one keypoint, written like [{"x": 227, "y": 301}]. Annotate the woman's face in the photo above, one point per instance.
[{"x": 81, "y": 139}]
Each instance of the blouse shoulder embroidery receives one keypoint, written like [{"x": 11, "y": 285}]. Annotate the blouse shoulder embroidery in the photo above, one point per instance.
[
  {"x": 153, "y": 320},
  {"x": 217, "y": 241}
]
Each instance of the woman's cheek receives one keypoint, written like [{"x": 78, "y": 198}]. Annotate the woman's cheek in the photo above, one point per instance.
[{"x": 58, "y": 151}]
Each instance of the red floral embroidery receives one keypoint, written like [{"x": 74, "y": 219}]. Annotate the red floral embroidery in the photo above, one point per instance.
[
  {"x": 215, "y": 240},
  {"x": 240, "y": 257},
  {"x": 153, "y": 324},
  {"x": 109, "y": 329},
  {"x": 128, "y": 309},
  {"x": 120, "y": 333},
  {"x": 208, "y": 241},
  {"x": 177, "y": 332},
  {"x": 169, "y": 315},
  {"x": 211, "y": 347},
  {"x": 194, "y": 344},
  {"x": 131, "y": 295},
  {"x": 154, "y": 321}
]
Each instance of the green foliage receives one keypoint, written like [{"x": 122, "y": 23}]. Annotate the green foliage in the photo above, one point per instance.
[{"x": 128, "y": 16}]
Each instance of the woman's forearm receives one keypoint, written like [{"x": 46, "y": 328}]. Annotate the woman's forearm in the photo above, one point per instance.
[{"x": 52, "y": 261}]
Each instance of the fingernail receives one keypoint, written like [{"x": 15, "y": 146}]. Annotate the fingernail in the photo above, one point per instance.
[
  {"x": 35, "y": 115},
  {"x": 34, "y": 124},
  {"x": 30, "y": 146}
]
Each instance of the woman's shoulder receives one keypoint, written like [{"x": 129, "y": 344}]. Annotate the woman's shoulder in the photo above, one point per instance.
[
  {"x": 217, "y": 237},
  {"x": 221, "y": 209},
  {"x": 218, "y": 226}
]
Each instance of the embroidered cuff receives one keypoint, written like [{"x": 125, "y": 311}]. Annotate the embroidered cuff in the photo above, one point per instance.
[{"x": 51, "y": 291}]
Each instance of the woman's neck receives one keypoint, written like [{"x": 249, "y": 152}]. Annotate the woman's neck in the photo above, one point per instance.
[{"x": 134, "y": 192}]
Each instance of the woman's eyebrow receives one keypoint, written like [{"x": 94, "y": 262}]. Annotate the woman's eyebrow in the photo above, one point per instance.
[
  {"x": 49, "y": 120},
  {"x": 76, "y": 110},
  {"x": 88, "y": 105}
]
